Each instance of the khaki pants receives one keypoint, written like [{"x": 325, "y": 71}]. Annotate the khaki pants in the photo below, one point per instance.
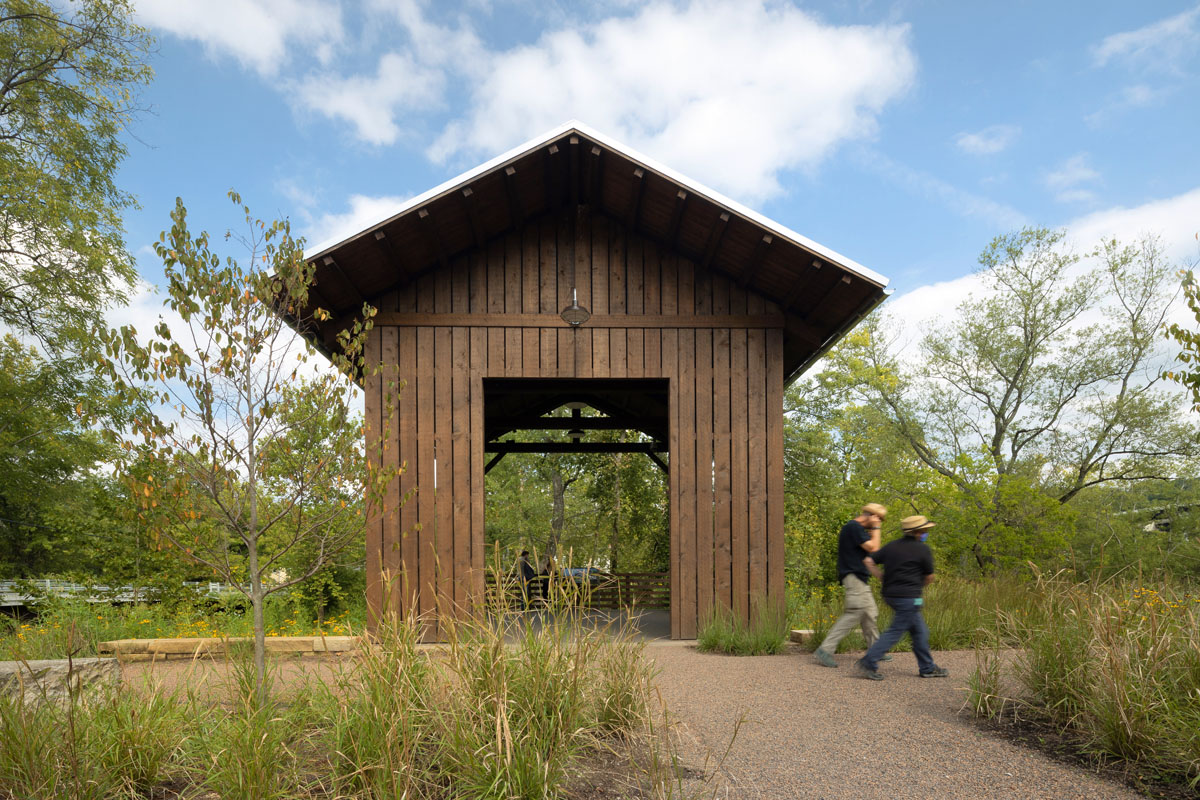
[{"x": 860, "y": 610}]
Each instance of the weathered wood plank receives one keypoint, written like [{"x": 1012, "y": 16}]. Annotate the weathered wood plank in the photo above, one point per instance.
[
  {"x": 759, "y": 492},
  {"x": 373, "y": 423},
  {"x": 774, "y": 411},
  {"x": 461, "y": 464},
  {"x": 548, "y": 295},
  {"x": 739, "y": 502},
  {"x": 722, "y": 467},
  {"x": 390, "y": 558},
  {"x": 426, "y": 544},
  {"x": 406, "y": 587},
  {"x": 601, "y": 231},
  {"x": 444, "y": 467},
  {"x": 684, "y": 465},
  {"x": 705, "y": 478},
  {"x": 513, "y": 303}
]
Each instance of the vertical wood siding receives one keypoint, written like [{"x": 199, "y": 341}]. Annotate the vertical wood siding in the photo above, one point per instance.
[{"x": 725, "y": 395}]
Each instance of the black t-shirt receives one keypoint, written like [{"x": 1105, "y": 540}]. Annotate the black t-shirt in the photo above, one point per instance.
[
  {"x": 850, "y": 552},
  {"x": 905, "y": 561}
]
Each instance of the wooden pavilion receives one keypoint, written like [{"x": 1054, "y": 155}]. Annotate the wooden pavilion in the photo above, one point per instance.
[{"x": 688, "y": 314}]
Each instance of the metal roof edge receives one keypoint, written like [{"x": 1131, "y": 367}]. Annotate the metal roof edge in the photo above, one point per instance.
[{"x": 697, "y": 187}]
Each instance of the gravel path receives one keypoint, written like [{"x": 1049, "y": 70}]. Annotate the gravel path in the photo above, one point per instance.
[{"x": 815, "y": 732}]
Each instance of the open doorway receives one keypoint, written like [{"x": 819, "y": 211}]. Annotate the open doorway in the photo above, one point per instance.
[{"x": 576, "y": 475}]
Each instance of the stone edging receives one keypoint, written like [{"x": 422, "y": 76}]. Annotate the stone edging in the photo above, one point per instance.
[{"x": 128, "y": 650}]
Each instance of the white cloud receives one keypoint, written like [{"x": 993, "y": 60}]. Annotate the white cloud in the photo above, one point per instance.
[
  {"x": 991, "y": 139},
  {"x": 1164, "y": 45},
  {"x": 956, "y": 200},
  {"x": 370, "y": 103},
  {"x": 729, "y": 92},
  {"x": 1175, "y": 219},
  {"x": 257, "y": 34},
  {"x": 1129, "y": 97},
  {"x": 330, "y": 229},
  {"x": 1066, "y": 181}
]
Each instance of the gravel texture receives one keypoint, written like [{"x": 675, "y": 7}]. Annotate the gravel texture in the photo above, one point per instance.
[
  {"x": 813, "y": 732},
  {"x": 807, "y": 731}
]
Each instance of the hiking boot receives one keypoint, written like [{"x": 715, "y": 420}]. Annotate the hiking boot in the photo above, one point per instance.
[
  {"x": 936, "y": 672},
  {"x": 862, "y": 671},
  {"x": 823, "y": 658}
]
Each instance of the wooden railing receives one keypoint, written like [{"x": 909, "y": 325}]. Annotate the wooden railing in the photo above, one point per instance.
[{"x": 602, "y": 590}]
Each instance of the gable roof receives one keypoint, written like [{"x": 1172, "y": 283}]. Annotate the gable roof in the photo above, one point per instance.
[{"x": 822, "y": 293}]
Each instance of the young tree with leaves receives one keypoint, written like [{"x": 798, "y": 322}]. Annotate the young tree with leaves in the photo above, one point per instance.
[{"x": 247, "y": 488}]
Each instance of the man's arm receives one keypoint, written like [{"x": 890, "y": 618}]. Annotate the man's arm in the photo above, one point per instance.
[
  {"x": 872, "y": 544},
  {"x": 869, "y": 563}
]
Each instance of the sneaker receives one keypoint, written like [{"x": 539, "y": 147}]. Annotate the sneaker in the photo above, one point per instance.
[
  {"x": 936, "y": 672},
  {"x": 870, "y": 674},
  {"x": 823, "y": 658},
  {"x": 886, "y": 657}
]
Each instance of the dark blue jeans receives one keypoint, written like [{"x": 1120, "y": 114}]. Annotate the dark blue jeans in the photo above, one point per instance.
[{"x": 908, "y": 620}]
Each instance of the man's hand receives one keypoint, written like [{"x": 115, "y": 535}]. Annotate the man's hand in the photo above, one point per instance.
[
  {"x": 873, "y": 568},
  {"x": 872, "y": 544}
]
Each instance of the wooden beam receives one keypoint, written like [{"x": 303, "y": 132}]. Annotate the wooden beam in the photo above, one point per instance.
[
  {"x": 516, "y": 213},
  {"x": 714, "y": 239},
  {"x": 574, "y": 447},
  {"x": 800, "y": 328},
  {"x": 552, "y": 176},
  {"x": 676, "y": 217},
  {"x": 331, "y": 263},
  {"x": 483, "y": 320},
  {"x": 472, "y": 207},
  {"x": 794, "y": 295},
  {"x": 573, "y": 178},
  {"x": 638, "y": 186},
  {"x": 756, "y": 260},
  {"x": 594, "y": 175},
  {"x": 431, "y": 236},
  {"x": 661, "y": 464},
  {"x": 495, "y": 460},
  {"x": 572, "y": 423},
  {"x": 393, "y": 258}
]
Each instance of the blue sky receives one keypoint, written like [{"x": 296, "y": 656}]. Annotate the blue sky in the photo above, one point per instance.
[{"x": 904, "y": 135}]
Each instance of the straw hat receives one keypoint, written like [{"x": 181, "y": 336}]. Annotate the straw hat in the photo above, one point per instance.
[
  {"x": 917, "y": 523},
  {"x": 876, "y": 509}
]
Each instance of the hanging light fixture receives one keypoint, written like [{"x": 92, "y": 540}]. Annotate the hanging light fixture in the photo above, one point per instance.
[
  {"x": 575, "y": 314},
  {"x": 575, "y": 434}
]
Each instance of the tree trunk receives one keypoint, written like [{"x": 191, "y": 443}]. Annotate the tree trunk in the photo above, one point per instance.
[
  {"x": 559, "y": 490},
  {"x": 257, "y": 596},
  {"x": 616, "y": 526}
]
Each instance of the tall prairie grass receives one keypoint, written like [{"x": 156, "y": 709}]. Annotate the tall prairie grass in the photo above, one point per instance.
[
  {"x": 507, "y": 705},
  {"x": 960, "y": 613},
  {"x": 765, "y": 633},
  {"x": 1114, "y": 663}
]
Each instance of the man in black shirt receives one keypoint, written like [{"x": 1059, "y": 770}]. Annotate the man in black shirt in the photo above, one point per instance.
[
  {"x": 859, "y": 538},
  {"x": 907, "y": 569}
]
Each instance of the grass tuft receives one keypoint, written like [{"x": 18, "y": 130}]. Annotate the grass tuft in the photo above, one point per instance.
[{"x": 723, "y": 632}]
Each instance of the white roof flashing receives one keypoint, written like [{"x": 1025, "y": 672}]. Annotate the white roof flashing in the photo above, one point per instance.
[{"x": 694, "y": 186}]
